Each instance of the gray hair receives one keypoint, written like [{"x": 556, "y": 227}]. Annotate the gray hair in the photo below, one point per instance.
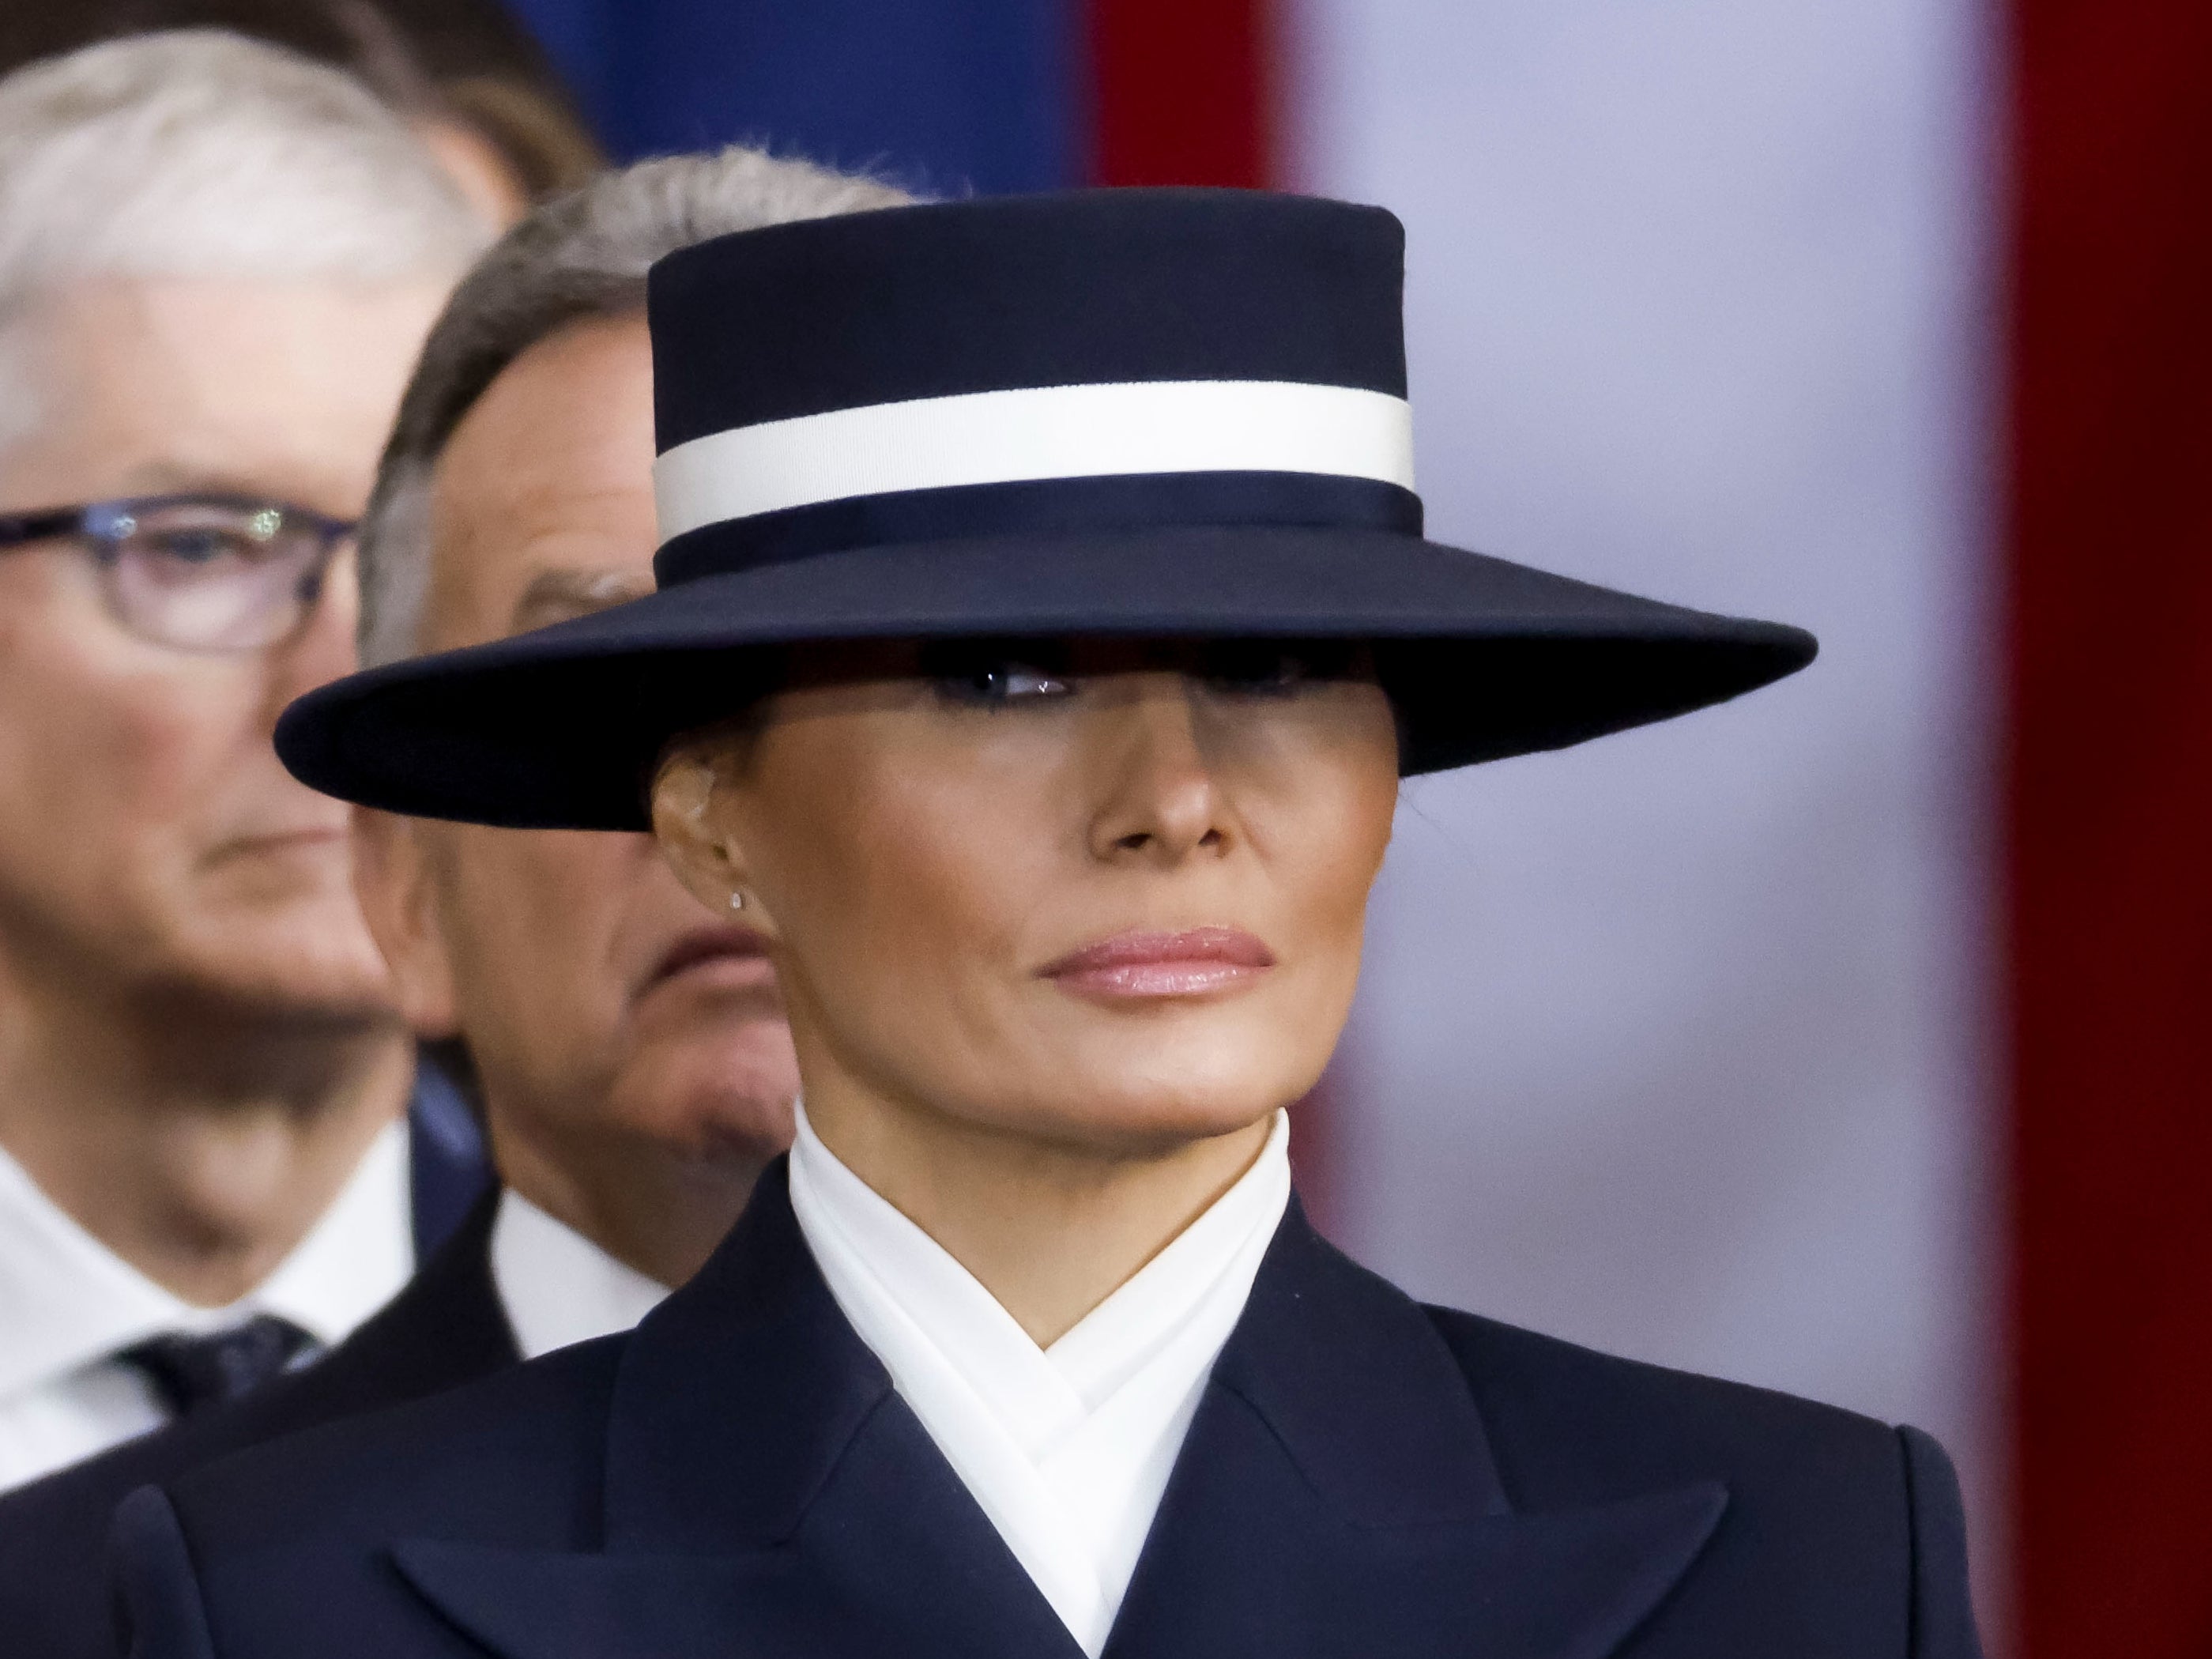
[
  {"x": 195, "y": 153},
  {"x": 584, "y": 255}
]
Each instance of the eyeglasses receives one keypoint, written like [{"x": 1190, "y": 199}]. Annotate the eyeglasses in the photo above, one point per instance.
[{"x": 198, "y": 572}]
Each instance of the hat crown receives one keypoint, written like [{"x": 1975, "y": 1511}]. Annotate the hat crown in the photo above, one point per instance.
[
  {"x": 1029, "y": 366},
  {"x": 1080, "y": 288}
]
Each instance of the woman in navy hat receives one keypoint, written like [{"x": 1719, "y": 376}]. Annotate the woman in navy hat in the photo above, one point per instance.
[{"x": 1044, "y": 627}]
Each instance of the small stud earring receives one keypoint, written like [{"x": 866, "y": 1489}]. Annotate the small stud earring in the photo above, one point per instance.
[{"x": 737, "y": 901}]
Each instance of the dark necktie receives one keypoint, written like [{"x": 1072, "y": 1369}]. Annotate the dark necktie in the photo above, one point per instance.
[{"x": 189, "y": 1372}]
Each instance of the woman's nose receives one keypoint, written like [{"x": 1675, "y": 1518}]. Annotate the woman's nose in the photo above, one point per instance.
[{"x": 1158, "y": 798}]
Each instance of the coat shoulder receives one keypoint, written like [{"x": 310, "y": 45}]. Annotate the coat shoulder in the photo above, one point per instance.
[
  {"x": 1837, "y": 1527},
  {"x": 515, "y": 1455},
  {"x": 1566, "y": 1417},
  {"x": 53, "y": 1582},
  {"x": 285, "y": 1546}
]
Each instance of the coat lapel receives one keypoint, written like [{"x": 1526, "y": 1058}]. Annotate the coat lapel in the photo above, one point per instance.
[
  {"x": 766, "y": 1494},
  {"x": 1337, "y": 1496}
]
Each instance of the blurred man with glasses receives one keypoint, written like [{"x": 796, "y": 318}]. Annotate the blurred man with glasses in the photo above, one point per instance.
[
  {"x": 216, "y": 263},
  {"x": 635, "y": 1070}
]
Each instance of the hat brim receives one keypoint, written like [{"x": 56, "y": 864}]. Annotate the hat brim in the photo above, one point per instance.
[{"x": 561, "y": 728}]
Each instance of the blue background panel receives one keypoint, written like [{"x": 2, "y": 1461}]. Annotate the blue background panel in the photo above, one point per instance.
[{"x": 946, "y": 95}]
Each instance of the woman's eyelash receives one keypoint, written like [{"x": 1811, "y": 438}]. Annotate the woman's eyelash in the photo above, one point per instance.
[
  {"x": 989, "y": 679},
  {"x": 1004, "y": 683}
]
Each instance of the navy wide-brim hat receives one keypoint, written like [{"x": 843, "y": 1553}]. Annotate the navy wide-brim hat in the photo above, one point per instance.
[{"x": 1165, "y": 413}]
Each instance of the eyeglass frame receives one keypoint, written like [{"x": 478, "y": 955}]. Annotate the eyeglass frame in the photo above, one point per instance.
[{"x": 93, "y": 527}]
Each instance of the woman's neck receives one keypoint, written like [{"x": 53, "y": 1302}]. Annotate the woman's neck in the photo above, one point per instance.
[
  {"x": 198, "y": 1143},
  {"x": 1051, "y": 1228}
]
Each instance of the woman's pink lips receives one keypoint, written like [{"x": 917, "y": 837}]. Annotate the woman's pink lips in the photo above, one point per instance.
[{"x": 1160, "y": 965}]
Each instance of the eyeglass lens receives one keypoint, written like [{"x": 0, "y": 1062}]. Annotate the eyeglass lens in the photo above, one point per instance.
[{"x": 213, "y": 576}]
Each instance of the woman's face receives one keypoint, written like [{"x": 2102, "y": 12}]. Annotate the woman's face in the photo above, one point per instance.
[{"x": 1107, "y": 895}]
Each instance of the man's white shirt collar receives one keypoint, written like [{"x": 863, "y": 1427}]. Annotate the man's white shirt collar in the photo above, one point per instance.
[
  {"x": 1067, "y": 1450},
  {"x": 68, "y": 1303},
  {"x": 557, "y": 1286}
]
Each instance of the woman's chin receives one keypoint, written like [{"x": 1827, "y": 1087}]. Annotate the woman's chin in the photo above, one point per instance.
[
  {"x": 1197, "y": 1077},
  {"x": 1077, "y": 1078},
  {"x": 1144, "y": 1110}
]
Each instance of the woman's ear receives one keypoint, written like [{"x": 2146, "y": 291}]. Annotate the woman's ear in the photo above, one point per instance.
[
  {"x": 392, "y": 883},
  {"x": 704, "y": 858}
]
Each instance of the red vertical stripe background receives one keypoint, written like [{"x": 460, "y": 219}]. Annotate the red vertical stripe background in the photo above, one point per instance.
[
  {"x": 2109, "y": 815},
  {"x": 1183, "y": 92}
]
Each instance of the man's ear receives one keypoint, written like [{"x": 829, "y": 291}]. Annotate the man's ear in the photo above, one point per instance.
[
  {"x": 708, "y": 863},
  {"x": 391, "y": 882}
]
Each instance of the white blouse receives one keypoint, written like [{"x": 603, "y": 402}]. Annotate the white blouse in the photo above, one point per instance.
[{"x": 1066, "y": 1449}]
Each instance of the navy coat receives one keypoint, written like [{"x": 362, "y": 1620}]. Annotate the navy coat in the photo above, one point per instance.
[
  {"x": 445, "y": 1329},
  {"x": 1365, "y": 1477}
]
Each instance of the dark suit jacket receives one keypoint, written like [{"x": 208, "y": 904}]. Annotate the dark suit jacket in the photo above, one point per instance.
[
  {"x": 1365, "y": 1477},
  {"x": 446, "y": 1328}
]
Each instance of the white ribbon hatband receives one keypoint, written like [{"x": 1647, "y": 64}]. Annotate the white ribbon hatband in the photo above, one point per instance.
[{"x": 1127, "y": 428}]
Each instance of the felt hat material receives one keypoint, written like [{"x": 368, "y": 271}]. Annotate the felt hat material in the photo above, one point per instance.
[{"x": 1159, "y": 413}]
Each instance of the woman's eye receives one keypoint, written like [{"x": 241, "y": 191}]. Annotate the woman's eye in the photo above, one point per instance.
[
  {"x": 1004, "y": 683},
  {"x": 1260, "y": 673},
  {"x": 1258, "y": 668}
]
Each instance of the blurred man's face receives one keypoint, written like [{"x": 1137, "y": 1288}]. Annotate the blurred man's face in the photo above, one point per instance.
[
  {"x": 602, "y": 1003},
  {"x": 147, "y": 831}
]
